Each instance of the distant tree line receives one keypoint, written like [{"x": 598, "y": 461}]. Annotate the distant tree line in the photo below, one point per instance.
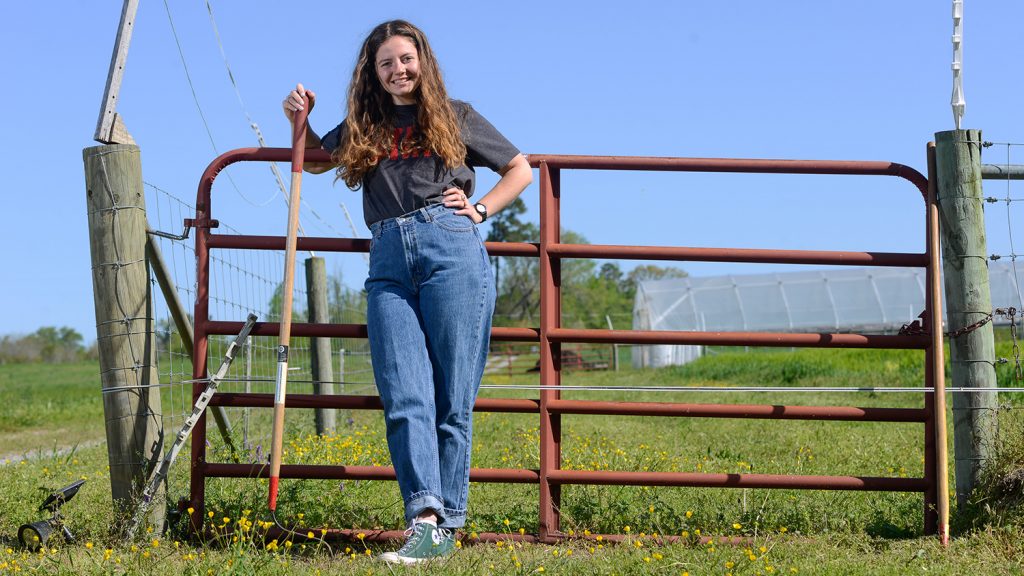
[{"x": 48, "y": 344}]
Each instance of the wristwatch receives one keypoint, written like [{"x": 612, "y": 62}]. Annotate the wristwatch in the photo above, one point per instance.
[{"x": 481, "y": 210}]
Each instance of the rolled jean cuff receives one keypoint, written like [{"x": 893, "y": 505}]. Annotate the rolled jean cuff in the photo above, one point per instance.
[
  {"x": 421, "y": 501},
  {"x": 453, "y": 519}
]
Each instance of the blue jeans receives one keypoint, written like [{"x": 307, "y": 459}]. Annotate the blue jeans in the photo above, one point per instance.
[{"x": 430, "y": 298}]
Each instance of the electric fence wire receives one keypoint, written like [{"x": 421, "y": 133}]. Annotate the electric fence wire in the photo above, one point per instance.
[
  {"x": 256, "y": 128},
  {"x": 1009, "y": 225},
  {"x": 202, "y": 115},
  {"x": 679, "y": 389}
]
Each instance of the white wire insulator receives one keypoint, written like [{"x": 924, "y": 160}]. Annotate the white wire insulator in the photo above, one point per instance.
[{"x": 957, "y": 101}]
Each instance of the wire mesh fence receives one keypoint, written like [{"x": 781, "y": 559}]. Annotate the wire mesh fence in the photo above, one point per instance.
[
  {"x": 242, "y": 282},
  {"x": 1003, "y": 192}
]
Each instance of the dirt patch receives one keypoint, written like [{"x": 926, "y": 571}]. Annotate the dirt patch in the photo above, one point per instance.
[{"x": 43, "y": 442}]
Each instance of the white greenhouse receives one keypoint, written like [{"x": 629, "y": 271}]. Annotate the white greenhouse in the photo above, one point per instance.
[{"x": 872, "y": 300}]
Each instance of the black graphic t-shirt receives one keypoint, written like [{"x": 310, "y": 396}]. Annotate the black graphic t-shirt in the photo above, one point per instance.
[{"x": 405, "y": 182}]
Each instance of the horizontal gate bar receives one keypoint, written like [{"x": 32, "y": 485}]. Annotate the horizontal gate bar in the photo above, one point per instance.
[
  {"x": 823, "y": 257},
  {"x": 354, "y": 402},
  {"x": 740, "y": 165},
  {"x": 489, "y": 475},
  {"x": 777, "y": 339},
  {"x": 597, "y": 477},
  {"x": 784, "y": 339},
  {"x": 567, "y": 161},
  {"x": 706, "y": 480},
  {"x": 762, "y": 411},
  {"x": 228, "y": 328},
  {"x": 328, "y": 244},
  {"x": 765, "y": 256},
  {"x": 528, "y": 406},
  {"x": 676, "y": 253}
]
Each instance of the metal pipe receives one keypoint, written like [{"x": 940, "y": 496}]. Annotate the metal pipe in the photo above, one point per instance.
[
  {"x": 327, "y": 244},
  {"x": 489, "y": 475},
  {"x": 777, "y": 339},
  {"x": 767, "y": 412},
  {"x": 591, "y": 477},
  {"x": 221, "y": 327},
  {"x": 360, "y": 402},
  {"x": 532, "y": 406},
  {"x": 765, "y": 256},
  {"x": 1002, "y": 171},
  {"x": 741, "y": 165},
  {"x": 550, "y": 353},
  {"x": 705, "y": 480}
]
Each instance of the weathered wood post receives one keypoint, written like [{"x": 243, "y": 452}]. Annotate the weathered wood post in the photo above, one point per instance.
[
  {"x": 124, "y": 321},
  {"x": 968, "y": 300},
  {"x": 320, "y": 348}
]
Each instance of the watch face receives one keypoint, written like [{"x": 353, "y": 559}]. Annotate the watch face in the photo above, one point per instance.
[{"x": 481, "y": 209}]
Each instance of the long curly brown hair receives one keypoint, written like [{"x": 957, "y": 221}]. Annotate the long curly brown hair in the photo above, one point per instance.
[{"x": 369, "y": 125}]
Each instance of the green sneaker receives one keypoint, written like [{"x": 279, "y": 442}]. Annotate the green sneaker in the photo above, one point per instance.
[{"x": 425, "y": 541}]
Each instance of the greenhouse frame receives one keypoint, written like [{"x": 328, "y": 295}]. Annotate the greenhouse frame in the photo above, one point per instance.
[{"x": 867, "y": 300}]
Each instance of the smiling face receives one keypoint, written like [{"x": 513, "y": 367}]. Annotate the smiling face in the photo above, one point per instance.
[{"x": 398, "y": 69}]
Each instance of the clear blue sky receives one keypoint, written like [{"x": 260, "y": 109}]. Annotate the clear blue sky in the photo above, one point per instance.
[{"x": 829, "y": 79}]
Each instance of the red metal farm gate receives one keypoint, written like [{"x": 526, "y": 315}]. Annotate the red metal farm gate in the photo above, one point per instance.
[{"x": 550, "y": 336}]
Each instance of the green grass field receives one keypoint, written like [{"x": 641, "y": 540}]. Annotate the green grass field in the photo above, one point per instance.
[{"x": 53, "y": 408}]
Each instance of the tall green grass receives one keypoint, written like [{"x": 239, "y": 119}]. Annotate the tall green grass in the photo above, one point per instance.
[{"x": 813, "y": 532}]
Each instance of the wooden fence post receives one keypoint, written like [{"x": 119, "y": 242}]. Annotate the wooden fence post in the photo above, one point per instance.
[
  {"x": 968, "y": 300},
  {"x": 320, "y": 348},
  {"x": 124, "y": 322}
]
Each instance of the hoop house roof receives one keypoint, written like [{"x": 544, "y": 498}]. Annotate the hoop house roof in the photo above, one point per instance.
[{"x": 827, "y": 300}]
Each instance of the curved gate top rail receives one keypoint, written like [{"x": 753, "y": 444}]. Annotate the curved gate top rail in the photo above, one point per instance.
[
  {"x": 646, "y": 163},
  {"x": 550, "y": 335}
]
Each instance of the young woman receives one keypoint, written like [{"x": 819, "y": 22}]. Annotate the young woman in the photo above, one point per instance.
[{"x": 430, "y": 291}]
